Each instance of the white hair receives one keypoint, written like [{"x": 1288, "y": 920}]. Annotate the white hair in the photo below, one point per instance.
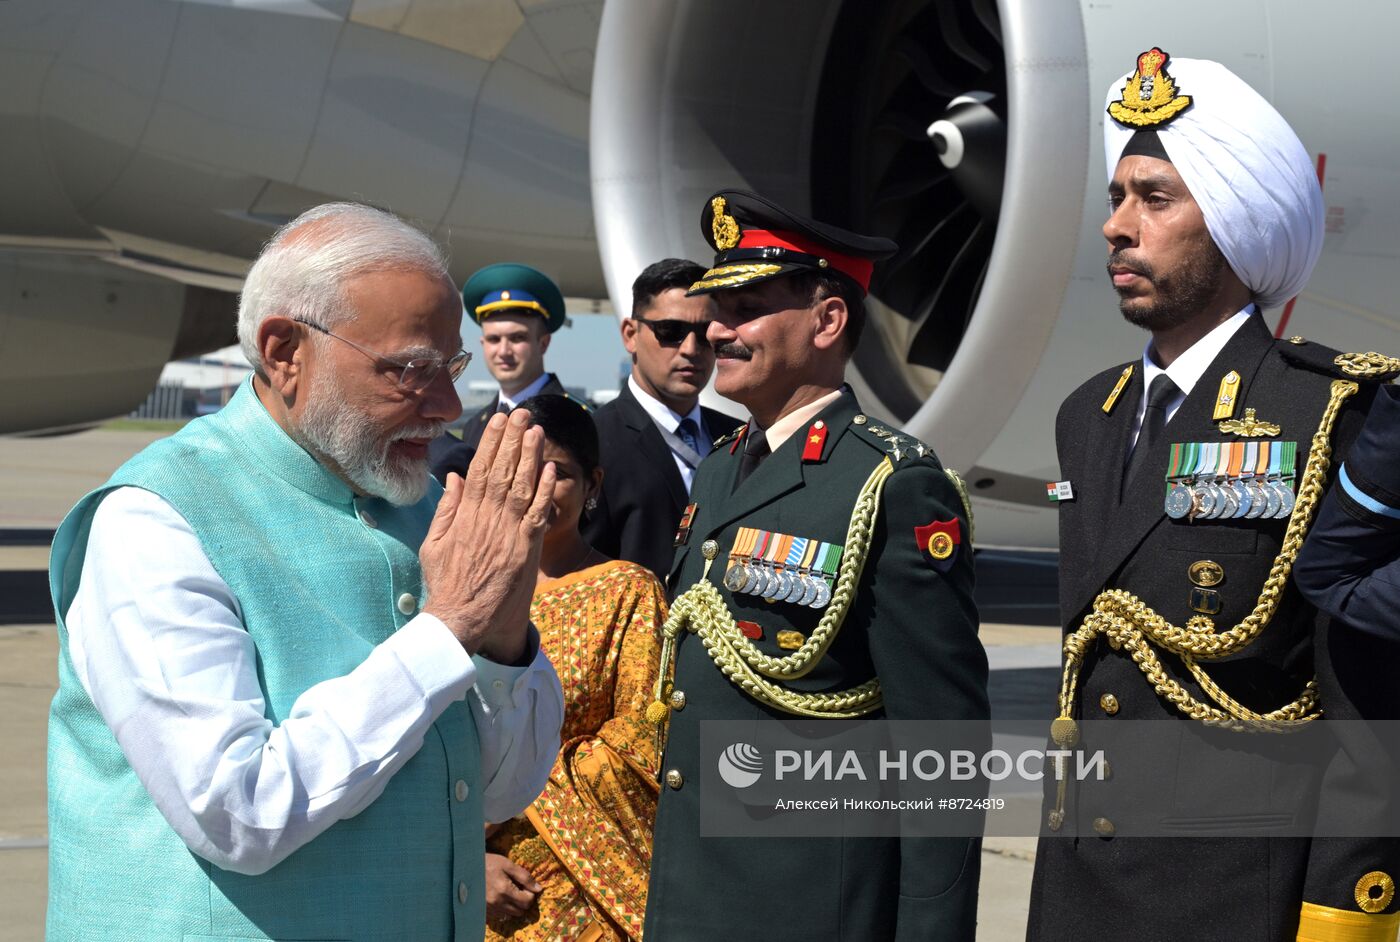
[{"x": 302, "y": 270}]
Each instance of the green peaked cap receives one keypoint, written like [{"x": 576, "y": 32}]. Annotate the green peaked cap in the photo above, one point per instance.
[{"x": 509, "y": 287}]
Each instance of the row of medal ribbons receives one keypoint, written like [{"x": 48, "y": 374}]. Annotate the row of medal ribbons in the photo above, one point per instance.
[
  {"x": 782, "y": 568},
  {"x": 1223, "y": 480}
]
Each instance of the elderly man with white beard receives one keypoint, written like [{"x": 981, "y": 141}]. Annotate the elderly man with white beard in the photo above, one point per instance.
[{"x": 295, "y": 675}]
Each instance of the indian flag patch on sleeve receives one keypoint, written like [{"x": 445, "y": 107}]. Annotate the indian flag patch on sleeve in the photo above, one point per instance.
[{"x": 1059, "y": 490}]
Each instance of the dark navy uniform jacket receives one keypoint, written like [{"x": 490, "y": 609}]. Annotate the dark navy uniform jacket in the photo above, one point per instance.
[{"x": 1102, "y": 884}]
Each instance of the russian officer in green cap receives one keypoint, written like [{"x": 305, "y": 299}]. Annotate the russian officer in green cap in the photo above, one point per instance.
[
  {"x": 820, "y": 537},
  {"x": 518, "y": 309}
]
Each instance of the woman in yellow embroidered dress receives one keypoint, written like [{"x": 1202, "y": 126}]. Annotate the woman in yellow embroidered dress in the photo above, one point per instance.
[{"x": 575, "y": 864}]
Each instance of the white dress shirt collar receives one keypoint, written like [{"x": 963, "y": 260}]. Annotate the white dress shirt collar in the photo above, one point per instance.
[
  {"x": 510, "y": 402},
  {"x": 1187, "y": 369},
  {"x": 663, "y": 415}
]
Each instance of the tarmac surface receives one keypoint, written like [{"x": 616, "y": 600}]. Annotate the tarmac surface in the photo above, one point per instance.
[{"x": 40, "y": 479}]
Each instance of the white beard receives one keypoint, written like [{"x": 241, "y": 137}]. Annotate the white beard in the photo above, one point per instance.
[{"x": 348, "y": 438}]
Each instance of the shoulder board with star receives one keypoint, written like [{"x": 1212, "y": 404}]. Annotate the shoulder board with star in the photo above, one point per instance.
[
  {"x": 726, "y": 439},
  {"x": 898, "y": 445},
  {"x": 1367, "y": 367}
]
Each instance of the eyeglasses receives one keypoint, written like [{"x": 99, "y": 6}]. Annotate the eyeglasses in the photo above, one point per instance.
[
  {"x": 673, "y": 333},
  {"x": 417, "y": 373}
]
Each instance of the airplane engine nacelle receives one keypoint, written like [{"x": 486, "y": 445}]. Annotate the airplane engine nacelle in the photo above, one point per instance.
[{"x": 951, "y": 127}]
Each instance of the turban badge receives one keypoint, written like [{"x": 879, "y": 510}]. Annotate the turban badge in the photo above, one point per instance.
[{"x": 1149, "y": 99}]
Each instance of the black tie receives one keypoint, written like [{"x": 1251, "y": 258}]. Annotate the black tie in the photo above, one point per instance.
[
  {"x": 755, "y": 450},
  {"x": 1154, "y": 422}
]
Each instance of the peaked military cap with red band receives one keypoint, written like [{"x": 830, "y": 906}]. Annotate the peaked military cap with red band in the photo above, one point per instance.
[{"x": 755, "y": 239}]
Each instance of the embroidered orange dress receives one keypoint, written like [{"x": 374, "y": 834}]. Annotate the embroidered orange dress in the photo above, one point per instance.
[{"x": 587, "y": 838}]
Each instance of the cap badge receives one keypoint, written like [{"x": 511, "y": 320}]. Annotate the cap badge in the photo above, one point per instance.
[
  {"x": 1149, "y": 99},
  {"x": 724, "y": 226}
]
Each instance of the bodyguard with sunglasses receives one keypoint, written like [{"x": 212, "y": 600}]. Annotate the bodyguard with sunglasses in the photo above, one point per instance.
[
  {"x": 295, "y": 675},
  {"x": 654, "y": 434}
]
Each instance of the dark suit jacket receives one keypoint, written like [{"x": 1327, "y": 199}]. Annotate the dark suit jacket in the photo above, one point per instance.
[
  {"x": 914, "y": 626},
  {"x": 1238, "y": 888},
  {"x": 644, "y": 494},
  {"x": 448, "y": 453}
]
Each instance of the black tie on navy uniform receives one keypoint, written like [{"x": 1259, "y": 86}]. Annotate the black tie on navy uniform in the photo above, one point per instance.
[
  {"x": 1154, "y": 423},
  {"x": 755, "y": 450}
]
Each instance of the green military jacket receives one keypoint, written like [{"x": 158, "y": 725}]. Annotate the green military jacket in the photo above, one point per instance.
[{"x": 912, "y": 622}]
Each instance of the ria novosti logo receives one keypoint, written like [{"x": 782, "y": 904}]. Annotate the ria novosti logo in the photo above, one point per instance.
[{"x": 740, "y": 765}]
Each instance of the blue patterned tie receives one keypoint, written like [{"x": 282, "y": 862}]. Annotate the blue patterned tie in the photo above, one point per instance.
[{"x": 689, "y": 433}]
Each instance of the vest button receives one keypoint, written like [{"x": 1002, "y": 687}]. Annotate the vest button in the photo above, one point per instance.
[
  {"x": 407, "y": 604},
  {"x": 462, "y": 893},
  {"x": 368, "y": 519},
  {"x": 461, "y": 790},
  {"x": 675, "y": 779}
]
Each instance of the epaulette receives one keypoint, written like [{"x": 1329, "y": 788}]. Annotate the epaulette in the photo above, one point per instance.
[
  {"x": 901, "y": 447},
  {"x": 726, "y": 439},
  {"x": 898, "y": 445},
  {"x": 1362, "y": 367}
]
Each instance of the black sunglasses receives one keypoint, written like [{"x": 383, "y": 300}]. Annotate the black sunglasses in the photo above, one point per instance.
[{"x": 673, "y": 333}]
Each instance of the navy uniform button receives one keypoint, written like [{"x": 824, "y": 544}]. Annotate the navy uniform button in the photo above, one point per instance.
[
  {"x": 407, "y": 604},
  {"x": 678, "y": 699},
  {"x": 1104, "y": 827},
  {"x": 1108, "y": 703},
  {"x": 675, "y": 779}
]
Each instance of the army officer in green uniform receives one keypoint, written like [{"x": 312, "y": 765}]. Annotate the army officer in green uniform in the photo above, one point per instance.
[{"x": 775, "y": 581}]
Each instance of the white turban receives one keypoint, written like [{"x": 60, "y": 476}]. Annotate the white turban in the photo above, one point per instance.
[{"x": 1246, "y": 169}]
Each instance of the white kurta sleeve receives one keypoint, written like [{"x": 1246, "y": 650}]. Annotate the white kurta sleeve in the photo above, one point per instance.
[
  {"x": 518, "y": 712},
  {"x": 156, "y": 640}
]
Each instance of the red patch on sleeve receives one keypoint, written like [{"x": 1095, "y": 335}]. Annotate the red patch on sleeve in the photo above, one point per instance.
[{"x": 938, "y": 542}]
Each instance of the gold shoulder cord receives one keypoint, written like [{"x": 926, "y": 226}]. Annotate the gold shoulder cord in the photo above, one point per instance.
[
  {"x": 701, "y": 610},
  {"x": 1128, "y": 623}
]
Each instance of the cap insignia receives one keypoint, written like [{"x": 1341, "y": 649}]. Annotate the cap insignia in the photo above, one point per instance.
[
  {"x": 727, "y": 276},
  {"x": 1149, "y": 99},
  {"x": 724, "y": 226}
]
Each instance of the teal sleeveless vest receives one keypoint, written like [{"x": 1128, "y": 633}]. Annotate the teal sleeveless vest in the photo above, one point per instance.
[{"x": 318, "y": 573}]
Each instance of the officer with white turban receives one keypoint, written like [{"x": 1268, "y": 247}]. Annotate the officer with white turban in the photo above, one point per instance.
[{"x": 1187, "y": 465}]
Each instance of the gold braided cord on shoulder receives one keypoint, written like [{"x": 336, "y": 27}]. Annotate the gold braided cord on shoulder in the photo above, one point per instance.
[
  {"x": 1366, "y": 365},
  {"x": 961, "y": 487},
  {"x": 1130, "y": 624},
  {"x": 702, "y": 610}
]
